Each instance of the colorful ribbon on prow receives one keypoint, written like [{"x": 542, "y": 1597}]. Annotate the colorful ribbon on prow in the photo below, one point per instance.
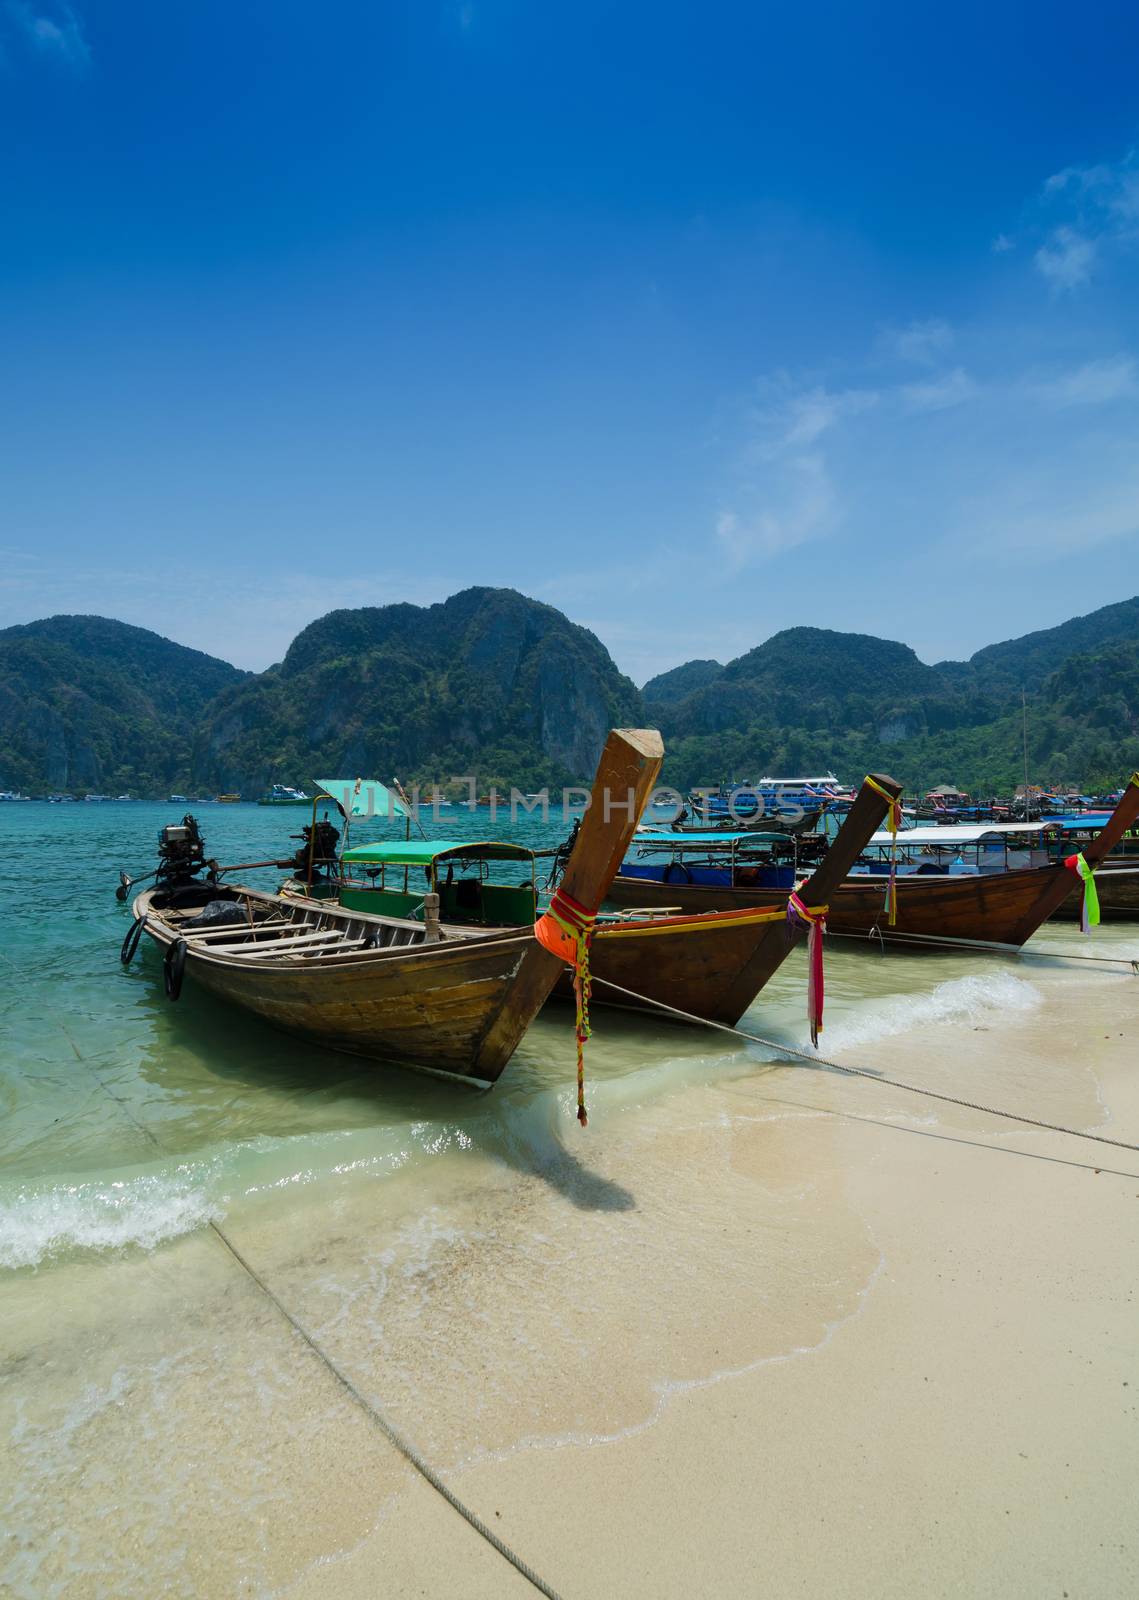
[
  {"x": 566, "y": 931},
  {"x": 1089, "y": 896},
  {"x": 816, "y": 919},
  {"x": 894, "y": 823}
]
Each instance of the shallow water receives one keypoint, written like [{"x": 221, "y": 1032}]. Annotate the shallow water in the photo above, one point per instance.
[{"x": 492, "y": 1275}]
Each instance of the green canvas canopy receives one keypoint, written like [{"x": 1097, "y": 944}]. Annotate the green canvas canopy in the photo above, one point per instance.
[
  {"x": 422, "y": 852},
  {"x": 362, "y": 797}
]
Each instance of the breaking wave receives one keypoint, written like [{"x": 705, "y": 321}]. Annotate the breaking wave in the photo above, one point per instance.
[{"x": 972, "y": 1001}]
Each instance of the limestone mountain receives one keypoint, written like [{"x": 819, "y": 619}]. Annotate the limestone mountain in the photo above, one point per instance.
[{"x": 487, "y": 682}]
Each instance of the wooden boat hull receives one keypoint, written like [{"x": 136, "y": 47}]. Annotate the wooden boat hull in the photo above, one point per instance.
[
  {"x": 1118, "y": 892},
  {"x": 380, "y": 987},
  {"x": 440, "y": 1005},
  {"x": 996, "y": 908},
  {"x": 714, "y": 964},
  {"x": 993, "y": 908}
]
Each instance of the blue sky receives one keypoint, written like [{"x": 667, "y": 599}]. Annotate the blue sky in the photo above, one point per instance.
[{"x": 695, "y": 321}]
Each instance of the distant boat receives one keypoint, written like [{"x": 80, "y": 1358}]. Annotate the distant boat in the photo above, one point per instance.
[
  {"x": 281, "y": 795},
  {"x": 228, "y": 799},
  {"x": 178, "y": 800},
  {"x": 124, "y": 797},
  {"x": 94, "y": 797},
  {"x": 938, "y": 907},
  {"x": 770, "y": 797}
]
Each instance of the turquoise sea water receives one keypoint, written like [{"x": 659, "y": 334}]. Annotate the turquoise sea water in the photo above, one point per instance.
[
  {"x": 89, "y": 1045},
  {"x": 421, "y": 1228}
]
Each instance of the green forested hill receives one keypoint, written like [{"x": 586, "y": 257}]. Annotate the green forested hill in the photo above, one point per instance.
[
  {"x": 811, "y": 699},
  {"x": 671, "y": 687},
  {"x": 487, "y": 682},
  {"x": 492, "y": 683},
  {"x": 88, "y": 703}
]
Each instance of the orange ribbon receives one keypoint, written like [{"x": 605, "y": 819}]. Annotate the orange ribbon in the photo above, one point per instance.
[{"x": 566, "y": 931}]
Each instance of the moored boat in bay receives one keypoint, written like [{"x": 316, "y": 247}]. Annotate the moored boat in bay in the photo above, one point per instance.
[
  {"x": 393, "y": 991},
  {"x": 711, "y": 965},
  {"x": 1001, "y": 908}
]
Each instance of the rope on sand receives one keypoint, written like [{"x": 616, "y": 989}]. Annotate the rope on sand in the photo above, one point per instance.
[
  {"x": 859, "y": 1072},
  {"x": 390, "y": 1432}
]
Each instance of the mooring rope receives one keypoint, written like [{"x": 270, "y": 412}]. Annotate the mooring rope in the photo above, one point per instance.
[
  {"x": 858, "y": 1072},
  {"x": 948, "y": 945},
  {"x": 388, "y": 1429}
]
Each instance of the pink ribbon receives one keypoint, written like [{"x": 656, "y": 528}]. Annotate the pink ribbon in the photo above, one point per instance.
[{"x": 815, "y": 918}]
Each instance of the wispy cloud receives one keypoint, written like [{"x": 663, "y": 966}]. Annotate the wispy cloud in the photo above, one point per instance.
[
  {"x": 1067, "y": 260},
  {"x": 1093, "y": 383},
  {"x": 920, "y": 342},
  {"x": 1090, "y": 212},
  {"x": 783, "y": 495},
  {"x": 798, "y": 505},
  {"x": 1109, "y": 190},
  {"x": 54, "y": 31},
  {"x": 1002, "y": 244},
  {"x": 789, "y": 418},
  {"x": 952, "y": 389}
]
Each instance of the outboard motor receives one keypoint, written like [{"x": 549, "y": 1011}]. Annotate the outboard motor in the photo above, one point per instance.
[
  {"x": 318, "y": 844},
  {"x": 181, "y": 853}
]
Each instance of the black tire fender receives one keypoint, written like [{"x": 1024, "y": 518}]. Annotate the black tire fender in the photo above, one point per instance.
[
  {"x": 130, "y": 943},
  {"x": 173, "y": 967}
]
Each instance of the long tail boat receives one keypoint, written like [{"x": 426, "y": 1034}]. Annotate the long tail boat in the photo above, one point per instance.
[
  {"x": 1117, "y": 879},
  {"x": 1117, "y": 887},
  {"x": 394, "y": 992},
  {"x": 1003, "y": 908},
  {"x": 711, "y": 965}
]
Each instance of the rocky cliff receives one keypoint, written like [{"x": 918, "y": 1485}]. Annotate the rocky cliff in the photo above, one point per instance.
[{"x": 487, "y": 682}]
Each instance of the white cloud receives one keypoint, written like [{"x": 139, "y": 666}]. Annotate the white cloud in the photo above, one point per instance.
[
  {"x": 1066, "y": 261},
  {"x": 1108, "y": 188},
  {"x": 793, "y": 420},
  {"x": 1093, "y": 211},
  {"x": 784, "y": 495},
  {"x": 920, "y": 342},
  {"x": 1094, "y": 383},
  {"x": 1003, "y": 243},
  {"x": 797, "y": 506},
  {"x": 54, "y": 30},
  {"x": 952, "y": 389}
]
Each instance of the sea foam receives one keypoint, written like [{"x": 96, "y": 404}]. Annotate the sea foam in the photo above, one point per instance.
[
  {"x": 145, "y": 1210},
  {"x": 973, "y": 1001}
]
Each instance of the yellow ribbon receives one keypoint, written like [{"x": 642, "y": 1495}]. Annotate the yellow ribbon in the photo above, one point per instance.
[{"x": 893, "y": 822}]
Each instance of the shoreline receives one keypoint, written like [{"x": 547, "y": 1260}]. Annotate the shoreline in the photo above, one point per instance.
[
  {"x": 769, "y": 1329},
  {"x": 920, "y": 1445}
]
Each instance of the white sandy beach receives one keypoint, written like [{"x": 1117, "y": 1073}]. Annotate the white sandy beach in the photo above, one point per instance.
[{"x": 968, "y": 1428}]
